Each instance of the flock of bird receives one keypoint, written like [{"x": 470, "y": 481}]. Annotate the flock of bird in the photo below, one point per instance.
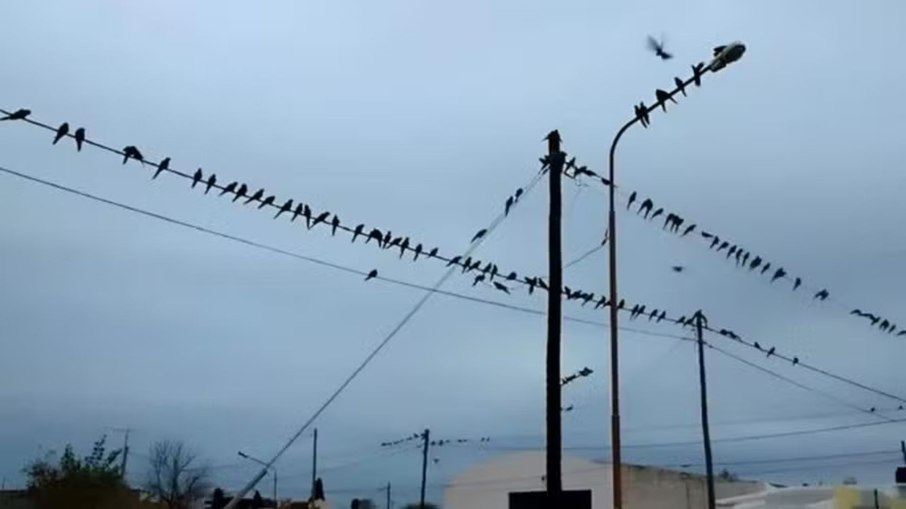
[
  {"x": 582, "y": 373},
  {"x": 384, "y": 239},
  {"x": 434, "y": 443}
]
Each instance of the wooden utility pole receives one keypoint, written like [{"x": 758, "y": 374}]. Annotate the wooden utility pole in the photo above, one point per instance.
[
  {"x": 314, "y": 462},
  {"x": 555, "y": 159},
  {"x": 388, "y": 495},
  {"x": 903, "y": 450},
  {"x": 706, "y": 431},
  {"x": 426, "y": 437}
]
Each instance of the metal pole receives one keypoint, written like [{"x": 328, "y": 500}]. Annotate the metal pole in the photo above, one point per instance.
[
  {"x": 903, "y": 450},
  {"x": 706, "y": 432},
  {"x": 426, "y": 437},
  {"x": 314, "y": 462},
  {"x": 276, "y": 504},
  {"x": 554, "y": 311},
  {"x": 388, "y": 495}
]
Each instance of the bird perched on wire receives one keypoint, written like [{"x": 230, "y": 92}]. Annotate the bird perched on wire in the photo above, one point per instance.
[
  {"x": 19, "y": 114},
  {"x": 62, "y": 131},
  {"x": 658, "y": 48},
  {"x": 79, "y": 138}
]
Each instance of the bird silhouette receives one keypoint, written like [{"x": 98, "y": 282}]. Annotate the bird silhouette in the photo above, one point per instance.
[
  {"x": 872, "y": 409},
  {"x": 797, "y": 283},
  {"x": 779, "y": 273},
  {"x": 642, "y": 115},
  {"x": 714, "y": 241},
  {"x": 512, "y": 276},
  {"x": 795, "y": 360},
  {"x": 433, "y": 253},
  {"x": 132, "y": 151},
  {"x": 481, "y": 233},
  {"x": 358, "y": 231},
  {"x": 267, "y": 201},
  {"x": 385, "y": 242},
  {"x": 632, "y": 198},
  {"x": 417, "y": 252},
  {"x": 822, "y": 295},
  {"x": 658, "y": 48},
  {"x": 230, "y": 188},
  {"x": 161, "y": 167},
  {"x": 286, "y": 207},
  {"x": 731, "y": 251},
  {"x": 601, "y": 302},
  {"x": 756, "y": 345},
  {"x": 901, "y": 333},
  {"x": 79, "y": 138},
  {"x": 62, "y": 131},
  {"x": 196, "y": 177},
  {"x": 454, "y": 261},
  {"x": 697, "y": 72},
  {"x": 738, "y": 257},
  {"x": 634, "y": 312},
  {"x": 662, "y": 316},
  {"x": 322, "y": 217},
  {"x": 689, "y": 229},
  {"x": 745, "y": 259},
  {"x": 680, "y": 86},
  {"x": 771, "y": 351},
  {"x": 643, "y": 110},
  {"x": 884, "y": 325},
  {"x": 657, "y": 213},
  {"x": 723, "y": 245},
  {"x": 755, "y": 263},
  {"x": 478, "y": 279},
  {"x": 668, "y": 221},
  {"x": 652, "y": 315},
  {"x": 376, "y": 235},
  {"x": 645, "y": 207},
  {"x": 662, "y": 97},
  {"x": 508, "y": 205},
  {"x": 212, "y": 181},
  {"x": 678, "y": 268},
  {"x": 300, "y": 209},
  {"x": 518, "y": 193},
  {"x": 19, "y": 114},
  {"x": 404, "y": 245},
  {"x": 766, "y": 267},
  {"x": 335, "y": 223},
  {"x": 255, "y": 197},
  {"x": 371, "y": 275},
  {"x": 502, "y": 287}
]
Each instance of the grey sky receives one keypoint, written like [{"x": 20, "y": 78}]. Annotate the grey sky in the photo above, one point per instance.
[{"x": 422, "y": 117}]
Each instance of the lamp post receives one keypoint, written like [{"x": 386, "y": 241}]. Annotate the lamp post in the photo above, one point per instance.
[
  {"x": 723, "y": 56},
  {"x": 264, "y": 464}
]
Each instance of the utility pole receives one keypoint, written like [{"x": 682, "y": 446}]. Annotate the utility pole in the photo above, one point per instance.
[
  {"x": 706, "y": 431},
  {"x": 314, "y": 462},
  {"x": 555, "y": 160},
  {"x": 903, "y": 450},
  {"x": 125, "y": 457},
  {"x": 426, "y": 436},
  {"x": 388, "y": 495}
]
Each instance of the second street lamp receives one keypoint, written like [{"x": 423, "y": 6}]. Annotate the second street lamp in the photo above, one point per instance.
[
  {"x": 264, "y": 464},
  {"x": 723, "y": 56}
]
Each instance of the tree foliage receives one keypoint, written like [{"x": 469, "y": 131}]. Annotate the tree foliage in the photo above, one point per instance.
[
  {"x": 89, "y": 482},
  {"x": 175, "y": 478}
]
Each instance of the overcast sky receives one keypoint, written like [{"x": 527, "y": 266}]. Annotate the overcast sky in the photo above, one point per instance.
[{"x": 422, "y": 117}]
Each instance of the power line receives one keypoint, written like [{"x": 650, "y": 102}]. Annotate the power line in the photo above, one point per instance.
[
  {"x": 677, "y": 225},
  {"x": 339, "y": 267}
]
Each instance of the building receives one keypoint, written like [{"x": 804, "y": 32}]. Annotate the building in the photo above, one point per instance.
[{"x": 487, "y": 486}]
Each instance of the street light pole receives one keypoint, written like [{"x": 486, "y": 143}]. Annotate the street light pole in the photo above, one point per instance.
[
  {"x": 724, "y": 55},
  {"x": 264, "y": 464}
]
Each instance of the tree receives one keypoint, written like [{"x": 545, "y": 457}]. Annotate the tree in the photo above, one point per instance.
[
  {"x": 90, "y": 482},
  {"x": 174, "y": 476}
]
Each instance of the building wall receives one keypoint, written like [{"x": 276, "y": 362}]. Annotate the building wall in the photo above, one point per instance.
[{"x": 487, "y": 486}]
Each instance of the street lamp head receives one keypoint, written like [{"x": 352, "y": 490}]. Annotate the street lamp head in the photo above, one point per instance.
[
  {"x": 727, "y": 54},
  {"x": 242, "y": 454}
]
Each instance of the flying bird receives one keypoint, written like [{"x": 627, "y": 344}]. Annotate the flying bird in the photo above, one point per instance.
[
  {"x": 658, "y": 48},
  {"x": 79, "y": 138},
  {"x": 161, "y": 167},
  {"x": 680, "y": 86},
  {"x": 230, "y": 188},
  {"x": 267, "y": 201},
  {"x": 631, "y": 200},
  {"x": 62, "y": 131},
  {"x": 19, "y": 114},
  {"x": 286, "y": 207},
  {"x": 371, "y": 275},
  {"x": 255, "y": 197},
  {"x": 662, "y": 97},
  {"x": 822, "y": 295},
  {"x": 481, "y": 233},
  {"x": 196, "y": 178},
  {"x": 133, "y": 152},
  {"x": 212, "y": 181}
]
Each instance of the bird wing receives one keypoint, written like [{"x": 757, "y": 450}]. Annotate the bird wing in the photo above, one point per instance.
[{"x": 653, "y": 44}]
